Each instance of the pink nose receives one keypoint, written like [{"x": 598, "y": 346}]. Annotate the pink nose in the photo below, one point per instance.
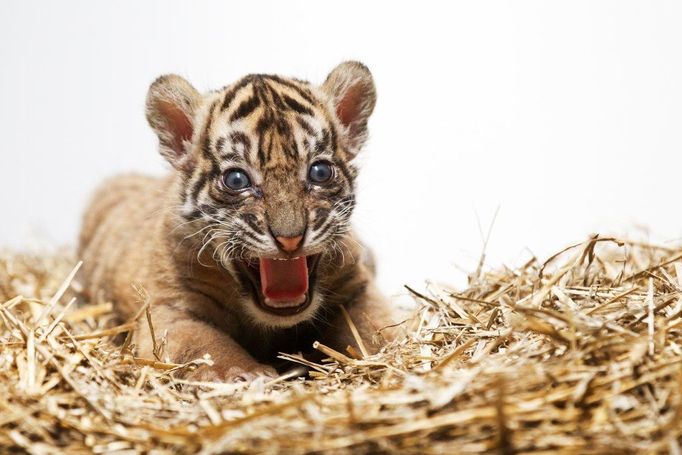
[{"x": 290, "y": 244}]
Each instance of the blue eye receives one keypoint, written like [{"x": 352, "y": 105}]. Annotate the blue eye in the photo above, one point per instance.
[
  {"x": 236, "y": 180},
  {"x": 320, "y": 172}
]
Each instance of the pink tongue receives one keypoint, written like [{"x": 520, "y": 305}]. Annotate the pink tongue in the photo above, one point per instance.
[{"x": 284, "y": 280}]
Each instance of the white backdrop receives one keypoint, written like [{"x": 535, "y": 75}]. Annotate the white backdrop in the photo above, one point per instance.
[{"x": 565, "y": 115}]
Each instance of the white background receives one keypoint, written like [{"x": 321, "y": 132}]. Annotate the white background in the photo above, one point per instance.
[{"x": 565, "y": 115}]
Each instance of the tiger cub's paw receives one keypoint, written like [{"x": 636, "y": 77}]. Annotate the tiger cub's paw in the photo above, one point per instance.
[{"x": 232, "y": 373}]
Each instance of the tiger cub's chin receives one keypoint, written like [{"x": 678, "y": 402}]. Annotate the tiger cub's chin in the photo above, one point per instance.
[{"x": 245, "y": 249}]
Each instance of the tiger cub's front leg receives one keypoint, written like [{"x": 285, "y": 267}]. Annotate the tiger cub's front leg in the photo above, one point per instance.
[{"x": 190, "y": 335}]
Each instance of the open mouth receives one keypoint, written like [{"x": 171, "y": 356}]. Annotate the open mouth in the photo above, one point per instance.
[{"x": 281, "y": 286}]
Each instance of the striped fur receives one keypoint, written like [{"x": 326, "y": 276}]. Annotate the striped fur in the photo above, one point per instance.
[
  {"x": 187, "y": 239},
  {"x": 273, "y": 128}
]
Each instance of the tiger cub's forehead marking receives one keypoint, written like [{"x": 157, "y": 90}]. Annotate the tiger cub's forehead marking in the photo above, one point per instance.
[{"x": 269, "y": 122}]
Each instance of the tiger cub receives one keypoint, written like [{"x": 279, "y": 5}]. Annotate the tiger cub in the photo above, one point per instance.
[{"x": 245, "y": 250}]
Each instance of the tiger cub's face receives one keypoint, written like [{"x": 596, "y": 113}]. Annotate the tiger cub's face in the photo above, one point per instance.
[{"x": 267, "y": 166}]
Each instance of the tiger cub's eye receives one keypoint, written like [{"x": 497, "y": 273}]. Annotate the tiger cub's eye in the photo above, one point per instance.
[
  {"x": 320, "y": 172},
  {"x": 236, "y": 180}
]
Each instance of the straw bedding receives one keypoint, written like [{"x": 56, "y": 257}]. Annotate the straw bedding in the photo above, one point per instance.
[{"x": 578, "y": 354}]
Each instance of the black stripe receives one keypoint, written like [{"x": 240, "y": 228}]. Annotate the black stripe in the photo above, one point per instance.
[
  {"x": 229, "y": 96},
  {"x": 290, "y": 151},
  {"x": 252, "y": 221},
  {"x": 227, "y": 200},
  {"x": 296, "y": 106},
  {"x": 244, "y": 238},
  {"x": 322, "y": 232},
  {"x": 195, "y": 215},
  {"x": 219, "y": 145},
  {"x": 238, "y": 137},
  {"x": 215, "y": 171},
  {"x": 206, "y": 146},
  {"x": 305, "y": 94},
  {"x": 332, "y": 134},
  {"x": 335, "y": 193},
  {"x": 276, "y": 98},
  {"x": 321, "y": 216},
  {"x": 344, "y": 170},
  {"x": 306, "y": 147},
  {"x": 265, "y": 149},
  {"x": 264, "y": 123},
  {"x": 283, "y": 127},
  {"x": 245, "y": 108},
  {"x": 306, "y": 126},
  {"x": 232, "y": 156},
  {"x": 208, "y": 209},
  {"x": 323, "y": 144},
  {"x": 197, "y": 187},
  {"x": 249, "y": 235}
]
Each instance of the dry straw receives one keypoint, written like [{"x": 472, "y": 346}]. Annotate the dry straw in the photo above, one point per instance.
[{"x": 580, "y": 354}]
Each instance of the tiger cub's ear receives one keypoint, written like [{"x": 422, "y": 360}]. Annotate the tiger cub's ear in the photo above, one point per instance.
[
  {"x": 351, "y": 88},
  {"x": 171, "y": 105}
]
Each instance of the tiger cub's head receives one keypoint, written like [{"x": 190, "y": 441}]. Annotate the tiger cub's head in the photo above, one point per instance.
[{"x": 267, "y": 166}]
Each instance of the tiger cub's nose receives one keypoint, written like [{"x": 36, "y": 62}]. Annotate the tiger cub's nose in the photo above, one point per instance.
[{"x": 289, "y": 244}]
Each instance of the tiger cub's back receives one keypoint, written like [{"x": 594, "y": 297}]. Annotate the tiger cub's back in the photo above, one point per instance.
[{"x": 119, "y": 213}]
